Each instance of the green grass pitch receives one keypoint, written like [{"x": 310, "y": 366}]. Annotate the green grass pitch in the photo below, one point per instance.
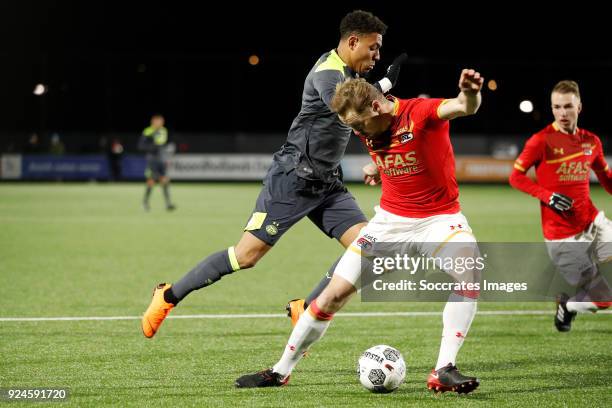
[{"x": 90, "y": 250}]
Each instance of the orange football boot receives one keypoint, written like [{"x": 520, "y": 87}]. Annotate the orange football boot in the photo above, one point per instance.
[
  {"x": 295, "y": 308},
  {"x": 157, "y": 311}
]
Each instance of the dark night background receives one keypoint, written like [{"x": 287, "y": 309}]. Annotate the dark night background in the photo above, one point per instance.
[{"x": 110, "y": 65}]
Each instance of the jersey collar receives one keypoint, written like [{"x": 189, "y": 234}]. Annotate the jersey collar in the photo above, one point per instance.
[
  {"x": 396, "y": 104},
  {"x": 558, "y": 129}
]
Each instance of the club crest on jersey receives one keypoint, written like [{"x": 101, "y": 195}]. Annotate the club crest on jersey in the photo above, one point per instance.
[
  {"x": 272, "y": 229},
  {"x": 558, "y": 150},
  {"x": 404, "y": 134},
  {"x": 406, "y": 137}
]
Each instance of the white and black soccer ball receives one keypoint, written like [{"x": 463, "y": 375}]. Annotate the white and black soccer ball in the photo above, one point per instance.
[{"x": 381, "y": 369}]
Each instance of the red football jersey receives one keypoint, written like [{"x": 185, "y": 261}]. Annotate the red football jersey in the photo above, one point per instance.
[
  {"x": 563, "y": 165},
  {"x": 416, "y": 161}
]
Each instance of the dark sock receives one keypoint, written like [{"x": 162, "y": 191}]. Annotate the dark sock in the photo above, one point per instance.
[
  {"x": 207, "y": 272},
  {"x": 321, "y": 285},
  {"x": 170, "y": 298},
  {"x": 166, "y": 189},
  {"x": 147, "y": 194}
]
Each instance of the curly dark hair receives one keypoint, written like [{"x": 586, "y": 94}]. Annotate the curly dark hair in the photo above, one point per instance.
[{"x": 361, "y": 22}]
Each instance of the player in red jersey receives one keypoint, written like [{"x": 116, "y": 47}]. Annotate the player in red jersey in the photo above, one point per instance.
[
  {"x": 409, "y": 143},
  {"x": 577, "y": 235}
]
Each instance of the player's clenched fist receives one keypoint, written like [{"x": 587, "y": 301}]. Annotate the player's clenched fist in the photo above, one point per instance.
[
  {"x": 371, "y": 176},
  {"x": 470, "y": 81}
]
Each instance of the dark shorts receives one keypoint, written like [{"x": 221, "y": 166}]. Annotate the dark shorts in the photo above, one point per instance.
[
  {"x": 155, "y": 169},
  {"x": 286, "y": 198}
]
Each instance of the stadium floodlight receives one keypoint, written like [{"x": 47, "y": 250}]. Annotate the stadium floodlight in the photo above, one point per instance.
[
  {"x": 40, "y": 89},
  {"x": 526, "y": 106},
  {"x": 253, "y": 60}
]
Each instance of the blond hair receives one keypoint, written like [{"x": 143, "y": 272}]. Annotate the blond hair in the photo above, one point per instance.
[
  {"x": 354, "y": 97},
  {"x": 567, "y": 86}
]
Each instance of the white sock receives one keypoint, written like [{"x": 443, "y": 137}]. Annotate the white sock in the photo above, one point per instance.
[
  {"x": 307, "y": 331},
  {"x": 581, "y": 307},
  {"x": 457, "y": 318}
]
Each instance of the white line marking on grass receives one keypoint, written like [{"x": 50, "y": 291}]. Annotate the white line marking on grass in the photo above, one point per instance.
[{"x": 277, "y": 315}]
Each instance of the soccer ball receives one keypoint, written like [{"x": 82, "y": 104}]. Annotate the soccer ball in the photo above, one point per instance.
[{"x": 381, "y": 369}]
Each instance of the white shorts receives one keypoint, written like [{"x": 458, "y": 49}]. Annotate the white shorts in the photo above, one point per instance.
[
  {"x": 427, "y": 236},
  {"x": 576, "y": 256}
]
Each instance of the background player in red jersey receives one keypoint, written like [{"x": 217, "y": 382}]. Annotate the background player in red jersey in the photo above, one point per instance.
[
  {"x": 410, "y": 144},
  {"x": 577, "y": 235}
]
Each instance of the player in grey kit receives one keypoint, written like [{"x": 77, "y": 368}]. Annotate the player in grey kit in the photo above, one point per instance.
[
  {"x": 154, "y": 142},
  {"x": 304, "y": 179}
]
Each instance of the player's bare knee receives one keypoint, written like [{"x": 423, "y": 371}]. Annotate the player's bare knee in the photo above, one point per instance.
[
  {"x": 249, "y": 250},
  {"x": 248, "y": 257},
  {"x": 247, "y": 261},
  {"x": 351, "y": 234}
]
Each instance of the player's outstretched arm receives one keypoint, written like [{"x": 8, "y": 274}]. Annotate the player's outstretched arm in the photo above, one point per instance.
[
  {"x": 520, "y": 181},
  {"x": 392, "y": 76},
  {"x": 556, "y": 201},
  {"x": 531, "y": 155},
  {"x": 469, "y": 98}
]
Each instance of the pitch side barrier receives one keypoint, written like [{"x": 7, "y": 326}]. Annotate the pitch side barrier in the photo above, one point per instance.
[{"x": 219, "y": 167}]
